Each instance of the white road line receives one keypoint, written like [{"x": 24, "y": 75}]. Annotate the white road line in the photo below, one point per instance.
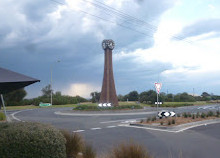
[
  {"x": 77, "y": 131},
  {"x": 111, "y": 126},
  {"x": 15, "y": 118},
  {"x": 123, "y": 120},
  {"x": 154, "y": 129},
  {"x": 95, "y": 128}
]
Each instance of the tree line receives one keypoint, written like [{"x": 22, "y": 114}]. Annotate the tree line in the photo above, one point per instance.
[
  {"x": 16, "y": 98},
  {"x": 150, "y": 97}
]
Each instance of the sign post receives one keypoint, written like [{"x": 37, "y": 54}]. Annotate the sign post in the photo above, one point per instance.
[{"x": 158, "y": 87}]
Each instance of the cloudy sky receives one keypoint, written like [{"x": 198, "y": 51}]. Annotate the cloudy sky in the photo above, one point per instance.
[{"x": 175, "y": 42}]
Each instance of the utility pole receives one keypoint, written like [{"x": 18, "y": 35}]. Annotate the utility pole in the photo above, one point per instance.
[{"x": 51, "y": 93}]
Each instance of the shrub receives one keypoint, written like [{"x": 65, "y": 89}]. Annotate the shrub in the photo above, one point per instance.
[
  {"x": 2, "y": 116},
  {"x": 129, "y": 150},
  {"x": 210, "y": 114},
  {"x": 153, "y": 118},
  {"x": 96, "y": 108},
  {"x": 193, "y": 116},
  {"x": 169, "y": 122},
  {"x": 161, "y": 123},
  {"x": 88, "y": 152},
  {"x": 141, "y": 121},
  {"x": 217, "y": 114},
  {"x": 203, "y": 115},
  {"x": 189, "y": 115},
  {"x": 185, "y": 115},
  {"x": 173, "y": 121},
  {"x": 148, "y": 120},
  {"x": 197, "y": 115},
  {"x": 74, "y": 144},
  {"x": 31, "y": 140}
]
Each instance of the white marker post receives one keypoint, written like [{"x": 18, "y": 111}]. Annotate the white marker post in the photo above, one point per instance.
[{"x": 158, "y": 87}]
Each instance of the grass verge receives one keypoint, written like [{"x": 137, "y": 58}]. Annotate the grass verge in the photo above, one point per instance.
[{"x": 2, "y": 116}]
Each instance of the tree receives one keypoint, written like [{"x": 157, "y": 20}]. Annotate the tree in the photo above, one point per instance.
[
  {"x": 133, "y": 96},
  {"x": 120, "y": 97},
  {"x": 169, "y": 97},
  {"x": 46, "y": 91},
  {"x": 148, "y": 97},
  {"x": 95, "y": 96},
  {"x": 14, "y": 98},
  {"x": 206, "y": 96}
]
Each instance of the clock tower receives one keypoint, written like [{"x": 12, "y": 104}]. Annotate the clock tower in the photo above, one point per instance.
[{"x": 108, "y": 93}]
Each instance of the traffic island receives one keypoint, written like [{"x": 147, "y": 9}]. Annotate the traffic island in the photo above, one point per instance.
[{"x": 180, "y": 122}]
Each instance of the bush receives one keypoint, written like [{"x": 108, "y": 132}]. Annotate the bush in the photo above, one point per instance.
[
  {"x": 88, "y": 152},
  {"x": 173, "y": 121},
  {"x": 210, "y": 114},
  {"x": 203, "y": 115},
  {"x": 74, "y": 144},
  {"x": 153, "y": 119},
  {"x": 217, "y": 114},
  {"x": 2, "y": 116},
  {"x": 31, "y": 140},
  {"x": 189, "y": 115},
  {"x": 193, "y": 116},
  {"x": 129, "y": 150},
  {"x": 185, "y": 115},
  {"x": 169, "y": 122},
  {"x": 97, "y": 108},
  {"x": 161, "y": 123},
  {"x": 197, "y": 115}
]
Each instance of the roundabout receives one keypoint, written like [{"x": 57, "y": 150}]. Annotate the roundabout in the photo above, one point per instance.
[{"x": 104, "y": 130}]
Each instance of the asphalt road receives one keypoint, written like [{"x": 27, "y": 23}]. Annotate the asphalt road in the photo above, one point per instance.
[{"x": 104, "y": 132}]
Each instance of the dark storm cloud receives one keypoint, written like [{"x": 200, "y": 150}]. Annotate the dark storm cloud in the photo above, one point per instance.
[
  {"x": 201, "y": 27},
  {"x": 32, "y": 40}
]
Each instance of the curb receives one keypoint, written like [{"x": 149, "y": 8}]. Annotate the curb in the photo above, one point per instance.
[
  {"x": 102, "y": 114},
  {"x": 178, "y": 128}
]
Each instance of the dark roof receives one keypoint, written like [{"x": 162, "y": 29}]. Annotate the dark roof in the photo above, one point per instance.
[{"x": 10, "y": 81}]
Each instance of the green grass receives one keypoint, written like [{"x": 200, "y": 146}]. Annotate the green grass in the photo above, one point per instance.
[
  {"x": 97, "y": 108},
  {"x": 179, "y": 104},
  {"x": 36, "y": 107},
  {"x": 129, "y": 103},
  {"x": 2, "y": 116}
]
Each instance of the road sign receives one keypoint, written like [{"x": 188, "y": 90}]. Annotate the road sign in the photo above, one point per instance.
[
  {"x": 162, "y": 114},
  {"x": 44, "y": 104},
  {"x": 158, "y": 87}
]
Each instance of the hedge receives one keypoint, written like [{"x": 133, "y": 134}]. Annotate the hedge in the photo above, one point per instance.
[
  {"x": 33, "y": 140},
  {"x": 97, "y": 108}
]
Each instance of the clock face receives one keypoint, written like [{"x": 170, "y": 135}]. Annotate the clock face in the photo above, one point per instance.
[{"x": 108, "y": 44}]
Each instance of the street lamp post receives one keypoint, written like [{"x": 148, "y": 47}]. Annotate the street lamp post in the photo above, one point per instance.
[{"x": 51, "y": 76}]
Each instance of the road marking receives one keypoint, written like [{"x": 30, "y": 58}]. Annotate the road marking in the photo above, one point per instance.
[
  {"x": 155, "y": 129},
  {"x": 123, "y": 120},
  {"x": 15, "y": 118},
  {"x": 111, "y": 126},
  {"x": 77, "y": 131},
  {"x": 95, "y": 128}
]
